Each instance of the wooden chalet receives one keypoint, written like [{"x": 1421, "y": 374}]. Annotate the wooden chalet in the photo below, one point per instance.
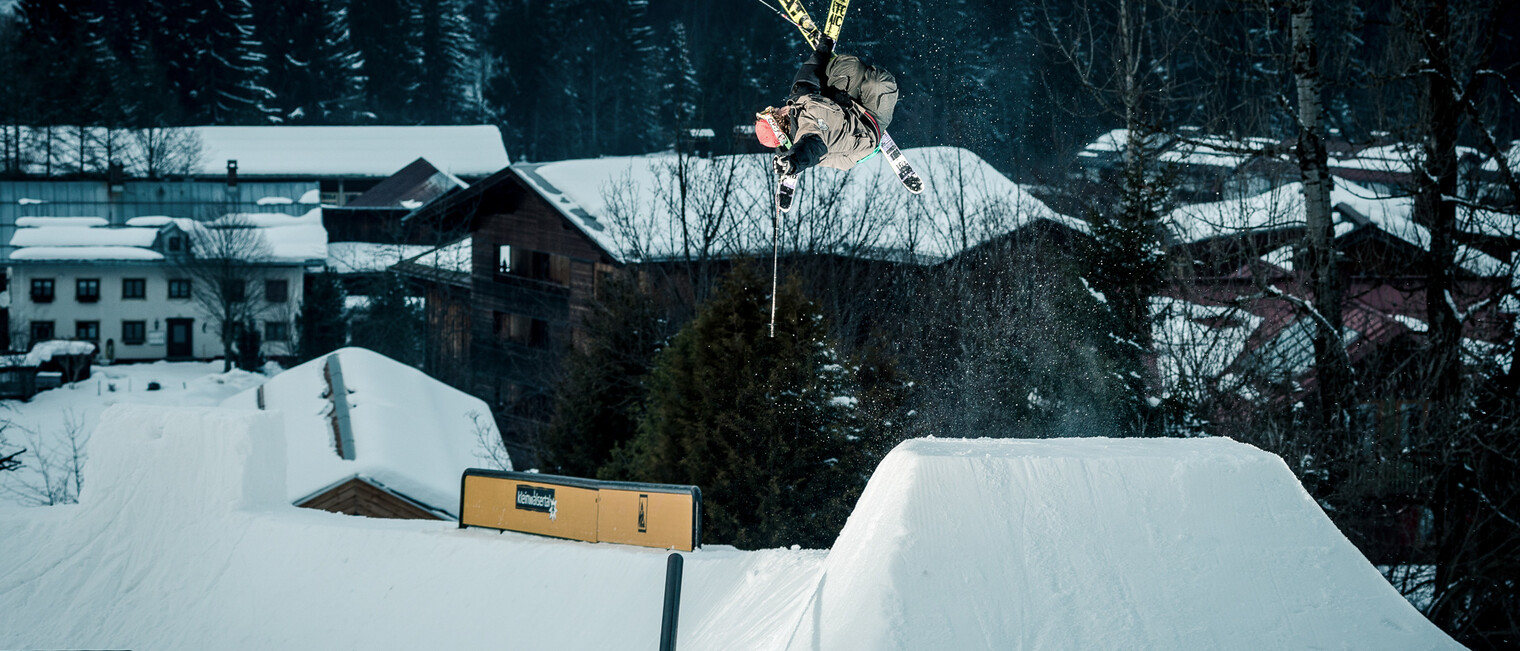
[{"x": 528, "y": 248}]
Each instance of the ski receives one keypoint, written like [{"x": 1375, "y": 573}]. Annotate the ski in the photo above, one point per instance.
[
  {"x": 799, "y": 15},
  {"x": 835, "y": 20},
  {"x": 786, "y": 190},
  {"x": 905, "y": 172}
]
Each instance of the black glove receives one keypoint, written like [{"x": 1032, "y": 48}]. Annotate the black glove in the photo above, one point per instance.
[
  {"x": 784, "y": 165},
  {"x": 825, "y": 46}
]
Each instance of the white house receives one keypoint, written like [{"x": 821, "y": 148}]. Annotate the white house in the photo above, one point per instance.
[{"x": 136, "y": 291}]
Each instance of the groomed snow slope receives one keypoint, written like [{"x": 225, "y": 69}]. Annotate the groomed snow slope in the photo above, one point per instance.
[
  {"x": 184, "y": 539},
  {"x": 1098, "y": 544}
]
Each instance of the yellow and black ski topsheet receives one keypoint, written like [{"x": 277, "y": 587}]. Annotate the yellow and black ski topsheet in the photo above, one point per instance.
[
  {"x": 835, "y": 19},
  {"x": 802, "y": 20}
]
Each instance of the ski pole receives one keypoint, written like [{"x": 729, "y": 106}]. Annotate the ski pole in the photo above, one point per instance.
[
  {"x": 775, "y": 263},
  {"x": 788, "y": 19}
]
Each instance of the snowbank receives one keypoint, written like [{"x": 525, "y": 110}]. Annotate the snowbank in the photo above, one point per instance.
[
  {"x": 1098, "y": 544},
  {"x": 411, "y": 432}
]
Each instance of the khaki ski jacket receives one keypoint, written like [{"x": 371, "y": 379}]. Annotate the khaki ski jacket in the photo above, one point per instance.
[{"x": 838, "y": 111}]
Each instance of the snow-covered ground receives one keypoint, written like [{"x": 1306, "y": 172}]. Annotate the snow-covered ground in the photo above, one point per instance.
[
  {"x": 184, "y": 538},
  {"x": 53, "y": 423}
]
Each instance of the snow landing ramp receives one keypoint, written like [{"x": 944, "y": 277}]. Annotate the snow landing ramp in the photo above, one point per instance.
[{"x": 1098, "y": 544}]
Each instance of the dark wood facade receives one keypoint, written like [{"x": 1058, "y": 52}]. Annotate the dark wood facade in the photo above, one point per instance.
[
  {"x": 360, "y": 497},
  {"x": 500, "y": 333}
]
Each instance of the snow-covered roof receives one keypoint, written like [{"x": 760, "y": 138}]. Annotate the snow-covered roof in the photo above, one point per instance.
[
  {"x": 290, "y": 239},
  {"x": 85, "y": 254},
  {"x": 631, "y": 207},
  {"x": 368, "y": 257},
  {"x": 410, "y": 187},
  {"x": 44, "y": 351},
  {"x": 1196, "y": 342},
  {"x": 455, "y": 257},
  {"x": 275, "y": 151},
  {"x": 1511, "y": 156},
  {"x": 1111, "y": 142},
  {"x": 62, "y": 221},
  {"x": 411, "y": 433},
  {"x": 377, "y": 151},
  {"x": 1214, "y": 151},
  {"x": 1282, "y": 208},
  {"x": 83, "y": 236}
]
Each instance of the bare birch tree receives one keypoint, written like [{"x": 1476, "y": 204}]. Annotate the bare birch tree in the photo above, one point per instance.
[{"x": 226, "y": 257}]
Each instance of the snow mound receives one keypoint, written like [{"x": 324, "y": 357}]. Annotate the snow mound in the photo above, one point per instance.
[{"x": 1098, "y": 543}]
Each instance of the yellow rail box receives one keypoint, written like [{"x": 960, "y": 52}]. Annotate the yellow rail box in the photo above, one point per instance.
[{"x": 664, "y": 516}]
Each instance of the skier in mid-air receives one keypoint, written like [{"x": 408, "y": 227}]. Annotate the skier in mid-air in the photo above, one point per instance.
[{"x": 835, "y": 116}]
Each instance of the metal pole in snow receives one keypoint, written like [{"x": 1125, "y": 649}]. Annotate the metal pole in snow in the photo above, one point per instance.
[{"x": 672, "y": 603}]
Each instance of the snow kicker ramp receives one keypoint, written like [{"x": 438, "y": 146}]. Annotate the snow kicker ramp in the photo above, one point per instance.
[{"x": 1098, "y": 544}]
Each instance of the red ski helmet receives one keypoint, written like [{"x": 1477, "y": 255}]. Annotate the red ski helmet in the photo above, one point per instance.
[
  {"x": 765, "y": 134},
  {"x": 769, "y": 129}
]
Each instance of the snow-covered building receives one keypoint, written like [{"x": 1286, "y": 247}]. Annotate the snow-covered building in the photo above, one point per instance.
[
  {"x": 367, "y": 435},
  {"x": 202, "y": 172},
  {"x": 541, "y": 239},
  {"x": 1233, "y": 321},
  {"x": 134, "y": 290},
  {"x": 1201, "y": 167}
]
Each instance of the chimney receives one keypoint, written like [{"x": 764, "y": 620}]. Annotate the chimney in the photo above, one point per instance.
[{"x": 233, "y": 194}]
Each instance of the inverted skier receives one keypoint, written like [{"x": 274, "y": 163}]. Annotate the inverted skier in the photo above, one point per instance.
[{"x": 835, "y": 115}]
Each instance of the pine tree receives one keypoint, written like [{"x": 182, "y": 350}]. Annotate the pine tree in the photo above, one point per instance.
[
  {"x": 762, "y": 424},
  {"x": 448, "y": 91},
  {"x": 386, "y": 34},
  {"x": 48, "y": 36},
  {"x": 1126, "y": 264},
  {"x": 322, "y": 326},
  {"x": 679, "y": 90},
  {"x": 391, "y": 325},
  {"x": 315, "y": 73},
  {"x": 597, "y": 403},
  {"x": 211, "y": 60}
]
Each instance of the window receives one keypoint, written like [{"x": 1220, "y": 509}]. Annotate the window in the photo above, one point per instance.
[
  {"x": 42, "y": 290},
  {"x": 179, "y": 288},
  {"x": 276, "y": 331},
  {"x": 537, "y": 265},
  {"x": 134, "y": 288},
  {"x": 520, "y": 329},
  {"x": 134, "y": 333},
  {"x": 42, "y": 331},
  {"x": 87, "y": 330},
  {"x": 276, "y": 291},
  {"x": 176, "y": 244},
  {"x": 237, "y": 290},
  {"x": 87, "y": 290}
]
